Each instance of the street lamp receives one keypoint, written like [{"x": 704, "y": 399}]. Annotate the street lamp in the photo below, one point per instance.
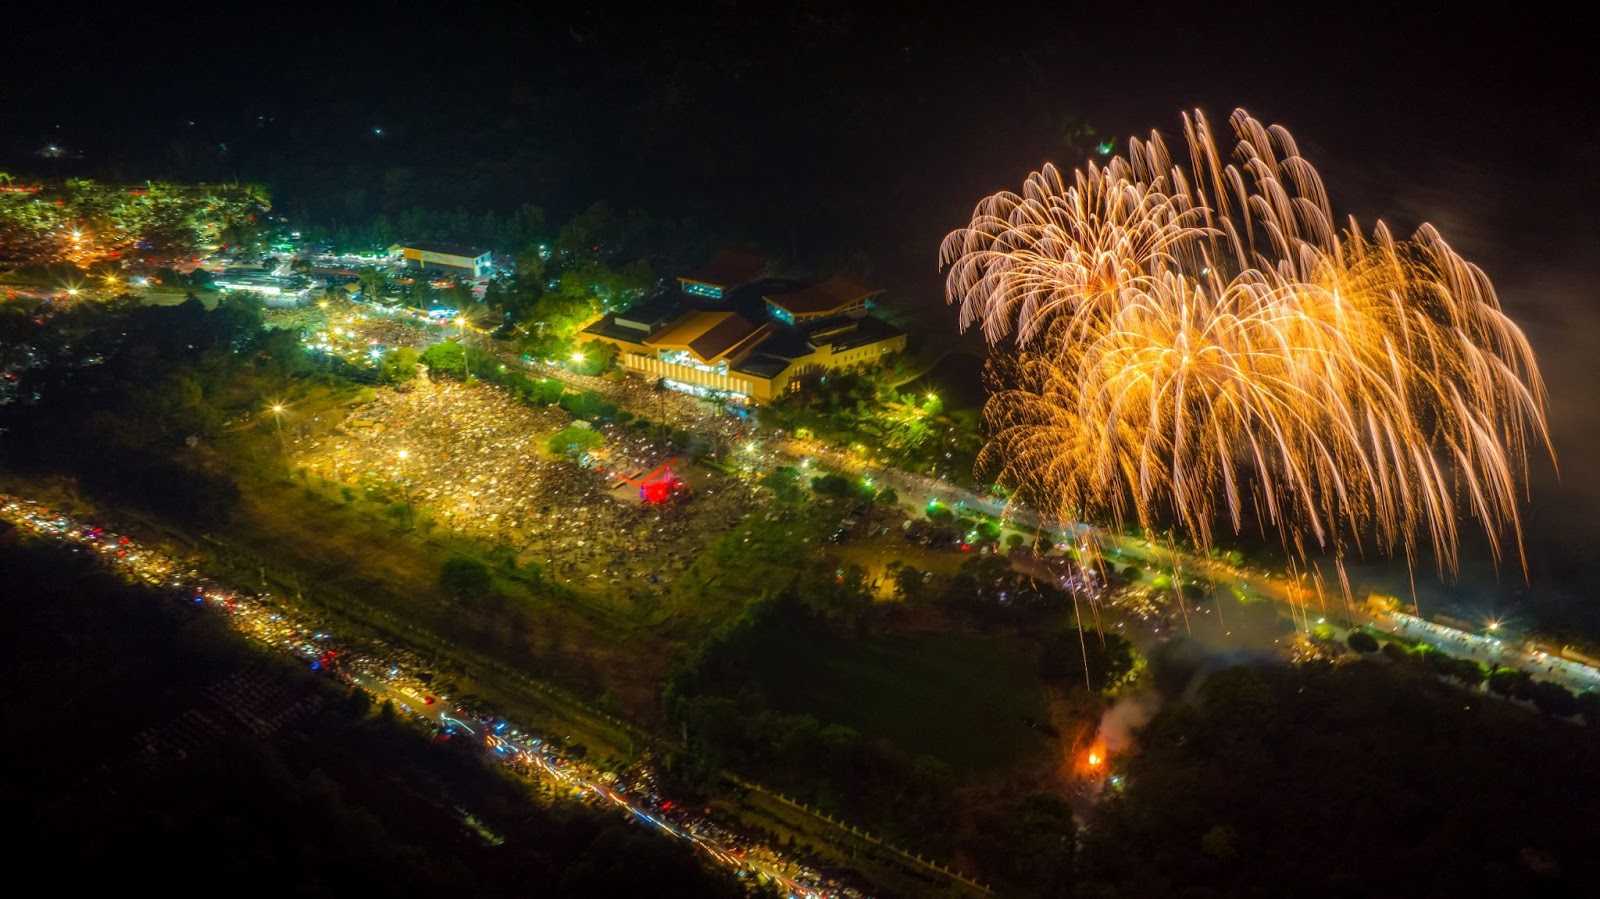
[{"x": 277, "y": 420}]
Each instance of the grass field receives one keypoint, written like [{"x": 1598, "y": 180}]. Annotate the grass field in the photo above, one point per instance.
[{"x": 957, "y": 697}]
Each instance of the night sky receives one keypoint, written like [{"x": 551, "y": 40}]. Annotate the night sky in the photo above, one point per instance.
[{"x": 831, "y": 130}]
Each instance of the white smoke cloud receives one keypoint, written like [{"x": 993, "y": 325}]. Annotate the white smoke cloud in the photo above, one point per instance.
[{"x": 1125, "y": 716}]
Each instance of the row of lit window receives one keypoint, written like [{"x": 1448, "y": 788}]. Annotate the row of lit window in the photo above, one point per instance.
[
  {"x": 787, "y": 317},
  {"x": 683, "y": 358},
  {"x": 702, "y": 290}
]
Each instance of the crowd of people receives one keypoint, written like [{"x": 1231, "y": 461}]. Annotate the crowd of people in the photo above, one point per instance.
[
  {"x": 663, "y": 405},
  {"x": 1493, "y": 651},
  {"x": 353, "y": 332},
  {"x": 478, "y": 462}
]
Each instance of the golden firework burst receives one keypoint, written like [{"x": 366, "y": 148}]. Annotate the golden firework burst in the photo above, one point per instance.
[{"x": 1195, "y": 341}]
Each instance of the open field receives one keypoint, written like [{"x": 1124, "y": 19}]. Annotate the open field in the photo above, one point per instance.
[{"x": 957, "y": 697}]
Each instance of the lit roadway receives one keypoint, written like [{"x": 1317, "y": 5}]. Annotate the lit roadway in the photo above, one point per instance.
[
  {"x": 527, "y": 753},
  {"x": 265, "y": 620},
  {"x": 915, "y": 490}
]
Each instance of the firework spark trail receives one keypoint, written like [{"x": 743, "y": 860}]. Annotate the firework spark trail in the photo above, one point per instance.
[{"x": 1200, "y": 342}]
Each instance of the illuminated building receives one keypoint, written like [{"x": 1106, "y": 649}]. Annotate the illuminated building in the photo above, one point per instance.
[
  {"x": 724, "y": 273},
  {"x": 274, "y": 291},
  {"x": 451, "y": 259},
  {"x": 839, "y": 295},
  {"x": 733, "y": 354}
]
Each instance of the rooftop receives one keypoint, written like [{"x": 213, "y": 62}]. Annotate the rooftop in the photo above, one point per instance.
[
  {"x": 843, "y": 332},
  {"x": 749, "y": 300},
  {"x": 710, "y": 336},
  {"x": 837, "y": 292},
  {"x": 762, "y": 365},
  {"x": 648, "y": 315},
  {"x": 728, "y": 268},
  {"x": 446, "y": 249},
  {"x": 787, "y": 342},
  {"x": 608, "y": 327}
]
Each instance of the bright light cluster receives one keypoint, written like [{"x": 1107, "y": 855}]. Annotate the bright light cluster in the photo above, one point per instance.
[{"x": 1196, "y": 341}]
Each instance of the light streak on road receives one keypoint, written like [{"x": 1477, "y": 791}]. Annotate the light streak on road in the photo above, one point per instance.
[
  {"x": 263, "y": 619},
  {"x": 444, "y": 717}
]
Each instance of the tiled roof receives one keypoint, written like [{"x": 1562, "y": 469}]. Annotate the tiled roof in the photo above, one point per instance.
[
  {"x": 728, "y": 268},
  {"x": 708, "y": 335},
  {"x": 838, "y": 292}
]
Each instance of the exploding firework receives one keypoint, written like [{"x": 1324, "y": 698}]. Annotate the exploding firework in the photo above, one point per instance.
[{"x": 1196, "y": 343}]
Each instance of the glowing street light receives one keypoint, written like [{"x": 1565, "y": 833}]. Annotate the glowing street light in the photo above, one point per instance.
[
  {"x": 577, "y": 358},
  {"x": 277, "y": 420}
]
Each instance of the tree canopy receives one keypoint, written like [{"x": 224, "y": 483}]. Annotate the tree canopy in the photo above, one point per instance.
[{"x": 574, "y": 441}]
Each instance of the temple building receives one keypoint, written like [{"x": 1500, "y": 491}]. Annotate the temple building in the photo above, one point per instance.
[{"x": 729, "y": 350}]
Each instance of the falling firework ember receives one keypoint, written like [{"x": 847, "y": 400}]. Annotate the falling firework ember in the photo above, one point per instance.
[{"x": 1197, "y": 343}]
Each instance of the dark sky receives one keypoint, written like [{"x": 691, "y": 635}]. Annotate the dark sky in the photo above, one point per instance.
[
  {"x": 830, "y": 129},
  {"x": 871, "y": 126}
]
